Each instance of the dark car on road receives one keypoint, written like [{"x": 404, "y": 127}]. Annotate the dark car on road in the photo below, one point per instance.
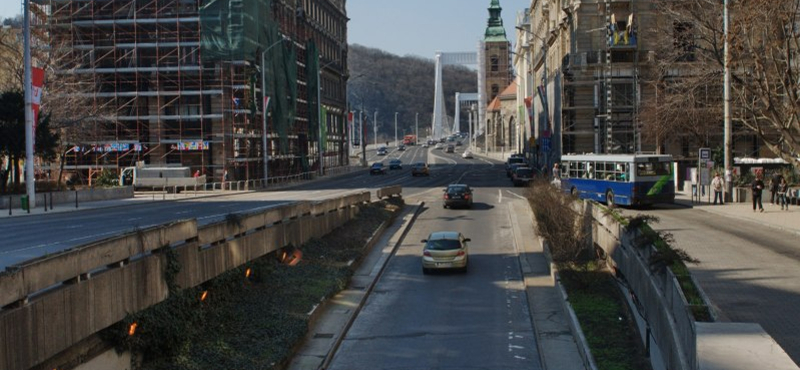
[
  {"x": 513, "y": 167},
  {"x": 382, "y": 151},
  {"x": 458, "y": 195},
  {"x": 377, "y": 169},
  {"x": 401, "y": 147},
  {"x": 522, "y": 176},
  {"x": 395, "y": 164},
  {"x": 420, "y": 169},
  {"x": 450, "y": 149}
]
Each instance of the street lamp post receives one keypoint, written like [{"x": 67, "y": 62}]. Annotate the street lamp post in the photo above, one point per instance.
[
  {"x": 395, "y": 128},
  {"x": 375, "y": 128},
  {"x": 264, "y": 107},
  {"x": 469, "y": 127},
  {"x": 416, "y": 127},
  {"x": 29, "y": 139}
]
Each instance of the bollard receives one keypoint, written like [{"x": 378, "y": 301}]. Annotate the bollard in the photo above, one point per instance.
[
  {"x": 45, "y": 202},
  {"x": 51, "y": 200},
  {"x": 76, "y": 199},
  {"x": 9, "y": 205}
]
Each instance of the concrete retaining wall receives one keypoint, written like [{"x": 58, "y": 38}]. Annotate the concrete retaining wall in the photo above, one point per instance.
[
  {"x": 62, "y": 197},
  {"x": 52, "y": 303},
  {"x": 666, "y": 309}
]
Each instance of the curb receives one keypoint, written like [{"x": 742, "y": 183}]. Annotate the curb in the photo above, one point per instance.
[{"x": 574, "y": 325}]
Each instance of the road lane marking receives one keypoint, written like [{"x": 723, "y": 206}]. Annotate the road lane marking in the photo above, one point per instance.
[
  {"x": 515, "y": 194},
  {"x": 500, "y": 196},
  {"x": 133, "y": 219}
]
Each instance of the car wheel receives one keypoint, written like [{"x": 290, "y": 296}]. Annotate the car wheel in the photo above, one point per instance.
[{"x": 610, "y": 199}]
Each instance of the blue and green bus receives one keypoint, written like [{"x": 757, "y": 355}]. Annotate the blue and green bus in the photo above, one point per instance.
[{"x": 619, "y": 179}]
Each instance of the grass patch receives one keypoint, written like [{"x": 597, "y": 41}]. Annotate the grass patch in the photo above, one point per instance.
[
  {"x": 248, "y": 322},
  {"x": 604, "y": 318}
]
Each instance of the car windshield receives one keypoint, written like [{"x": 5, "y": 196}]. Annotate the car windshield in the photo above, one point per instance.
[
  {"x": 443, "y": 244},
  {"x": 377, "y": 165},
  {"x": 396, "y": 161},
  {"x": 513, "y": 160},
  {"x": 420, "y": 165}
]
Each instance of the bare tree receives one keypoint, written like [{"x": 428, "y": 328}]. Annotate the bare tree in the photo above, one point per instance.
[
  {"x": 687, "y": 79},
  {"x": 765, "y": 42}
]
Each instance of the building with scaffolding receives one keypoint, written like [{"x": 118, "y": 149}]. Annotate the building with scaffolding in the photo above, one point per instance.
[
  {"x": 580, "y": 63},
  {"x": 231, "y": 88}
]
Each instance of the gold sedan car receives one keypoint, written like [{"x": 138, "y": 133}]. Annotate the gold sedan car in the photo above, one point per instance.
[{"x": 445, "y": 250}]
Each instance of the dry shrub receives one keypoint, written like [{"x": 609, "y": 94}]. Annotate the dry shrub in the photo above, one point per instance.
[{"x": 559, "y": 223}]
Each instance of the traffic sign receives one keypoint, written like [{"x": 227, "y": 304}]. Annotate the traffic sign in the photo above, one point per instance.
[{"x": 705, "y": 154}]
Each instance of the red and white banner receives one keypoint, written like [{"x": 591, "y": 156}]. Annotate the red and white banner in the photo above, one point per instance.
[{"x": 37, "y": 83}]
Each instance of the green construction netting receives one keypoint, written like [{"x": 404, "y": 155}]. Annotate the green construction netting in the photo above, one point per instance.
[
  {"x": 312, "y": 71},
  {"x": 236, "y": 30}
]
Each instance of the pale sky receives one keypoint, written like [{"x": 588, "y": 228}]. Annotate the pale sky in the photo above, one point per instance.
[
  {"x": 422, "y": 27},
  {"x": 406, "y": 27}
]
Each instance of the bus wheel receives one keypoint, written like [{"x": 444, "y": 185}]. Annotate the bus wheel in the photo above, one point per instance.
[
  {"x": 573, "y": 192},
  {"x": 610, "y": 198}
]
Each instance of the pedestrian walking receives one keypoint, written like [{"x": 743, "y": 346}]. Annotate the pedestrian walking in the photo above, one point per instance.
[
  {"x": 774, "y": 182},
  {"x": 783, "y": 189},
  {"x": 717, "y": 184},
  {"x": 758, "y": 187},
  {"x": 556, "y": 171}
]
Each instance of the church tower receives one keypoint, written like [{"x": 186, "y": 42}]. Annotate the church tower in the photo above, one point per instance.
[{"x": 497, "y": 54}]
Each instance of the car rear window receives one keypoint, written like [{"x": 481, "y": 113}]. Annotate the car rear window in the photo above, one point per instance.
[
  {"x": 443, "y": 244},
  {"x": 456, "y": 189},
  {"x": 513, "y": 160}
]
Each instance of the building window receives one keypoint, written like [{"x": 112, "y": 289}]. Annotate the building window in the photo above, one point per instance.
[
  {"x": 494, "y": 63},
  {"x": 495, "y": 90}
]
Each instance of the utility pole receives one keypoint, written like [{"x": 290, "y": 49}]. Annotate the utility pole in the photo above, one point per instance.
[
  {"x": 727, "y": 107},
  {"x": 395, "y": 128}
]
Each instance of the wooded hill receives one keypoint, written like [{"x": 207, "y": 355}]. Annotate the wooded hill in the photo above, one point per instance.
[{"x": 391, "y": 83}]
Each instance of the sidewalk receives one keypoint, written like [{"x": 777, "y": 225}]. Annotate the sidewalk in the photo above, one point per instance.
[{"x": 772, "y": 216}]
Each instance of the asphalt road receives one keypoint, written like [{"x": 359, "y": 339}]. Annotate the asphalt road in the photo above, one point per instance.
[
  {"x": 30, "y": 237},
  {"x": 477, "y": 320},
  {"x": 749, "y": 272}
]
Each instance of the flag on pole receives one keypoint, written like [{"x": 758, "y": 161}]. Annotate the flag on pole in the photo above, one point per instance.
[{"x": 37, "y": 83}]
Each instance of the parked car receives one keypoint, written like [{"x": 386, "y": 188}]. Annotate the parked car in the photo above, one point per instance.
[
  {"x": 420, "y": 169},
  {"x": 457, "y": 195},
  {"x": 395, "y": 164},
  {"x": 522, "y": 176},
  {"x": 445, "y": 250},
  {"x": 467, "y": 154},
  {"x": 450, "y": 149},
  {"x": 377, "y": 169}
]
